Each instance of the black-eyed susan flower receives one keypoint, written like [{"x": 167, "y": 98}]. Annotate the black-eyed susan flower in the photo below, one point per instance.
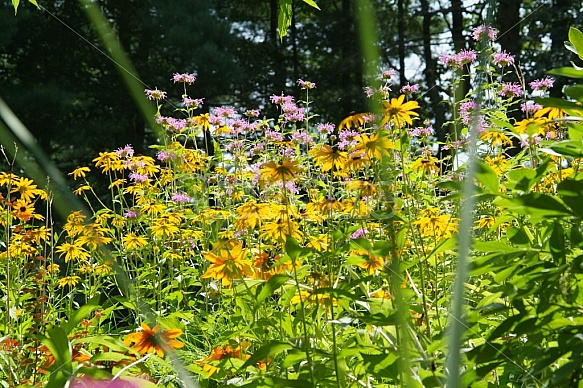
[
  {"x": 230, "y": 263},
  {"x": 80, "y": 172},
  {"x": 154, "y": 340},
  {"x": 251, "y": 215},
  {"x": 427, "y": 164},
  {"x": 356, "y": 120},
  {"x": 276, "y": 172},
  {"x": 70, "y": 281},
  {"x": 328, "y": 157},
  {"x": 398, "y": 111},
  {"x": 374, "y": 146},
  {"x": 277, "y": 231},
  {"x": 73, "y": 251},
  {"x": 131, "y": 241},
  {"x": 496, "y": 138},
  {"x": 498, "y": 163},
  {"x": 26, "y": 188}
]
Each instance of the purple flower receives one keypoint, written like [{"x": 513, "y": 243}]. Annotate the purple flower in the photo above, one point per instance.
[
  {"x": 185, "y": 78},
  {"x": 252, "y": 113},
  {"x": 192, "y": 103},
  {"x": 348, "y": 138},
  {"x": 257, "y": 149},
  {"x": 165, "y": 155},
  {"x": 306, "y": 84},
  {"x": 510, "y": 90},
  {"x": 126, "y": 152},
  {"x": 302, "y": 137},
  {"x": 466, "y": 109},
  {"x": 359, "y": 233},
  {"x": 409, "y": 89},
  {"x": 279, "y": 100},
  {"x": 138, "y": 178},
  {"x": 387, "y": 74},
  {"x": 224, "y": 111},
  {"x": 325, "y": 129},
  {"x": 290, "y": 186},
  {"x": 465, "y": 57},
  {"x": 273, "y": 136},
  {"x": 180, "y": 198},
  {"x": 448, "y": 60},
  {"x": 542, "y": 84},
  {"x": 530, "y": 108},
  {"x": 131, "y": 214},
  {"x": 175, "y": 125},
  {"x": 503, "y": 59},
  {"x": 484, "y": 31},
  {"x": 155, "y": 94}
]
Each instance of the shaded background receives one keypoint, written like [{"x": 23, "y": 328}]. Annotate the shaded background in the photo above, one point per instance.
[{"x": 72, "y": 99}]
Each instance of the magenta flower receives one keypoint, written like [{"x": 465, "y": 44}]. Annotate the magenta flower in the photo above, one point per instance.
[
  {"x": 530, "y": 108},
  {"x": 252, "y": 113},
  {"x": 325, "y": 129},
  {"x": 155, "y": 94},
  {"x": 466, "y": 109},
  {"x": 387, "y": 74},
  {"x": 484, "y": 31},
  {"x": 180, "y": 198},
  {"x": 280, "y": 100},
  {"x": 465, "y": 57},
  {"x": 359, "y": 233},
  {"x": 503, "y": 59},
  {"x": 409, "y": 89},
  {"x": 125, "y": 152},
  {"x": 132, "y": 214},
  {"x": 138, "y": 178},
  {"x": 224, "y": 111},
  {"x": 165, "y": 155},
  {"x": 510, "y": 90},
  {"x": 542, "y": 84},
  {"x": 306, "y": 84},
  {"x": 192, "y": 103},
  {"x": 184, "y": 78}
]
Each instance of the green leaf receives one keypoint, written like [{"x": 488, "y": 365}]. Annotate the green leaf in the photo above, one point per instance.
[
  {"x": 558, "y": 103},
  {"x": 15, "y": 3},
  {"x": 575, "y": 131},
  {"x": 486, "y": 176},
  {"x": 270, "y": 286},
  {"x": 575, "y": 92},
  {"x": 576, "y": 39},
  {"x": 80, "y": 314},
  {"x": 567, "y": 72},
  {"x": 58, "y": 343},
  {"x": 284, "y": 18},
  {"x": 571, "y": 192},
  {"x": 312, "y": 3},
  {"x": 381, "y": 365},
  {"x": 568, "y": 148},
  {"x": 272, "y": 348}
]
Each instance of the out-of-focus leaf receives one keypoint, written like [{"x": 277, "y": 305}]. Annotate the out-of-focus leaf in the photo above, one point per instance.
[
  {"x": 576, "y": 39},
  {"x": 567, "y": 72}
]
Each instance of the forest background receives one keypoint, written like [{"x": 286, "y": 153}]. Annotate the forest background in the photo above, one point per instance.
[{"x": 70, "y": 95}]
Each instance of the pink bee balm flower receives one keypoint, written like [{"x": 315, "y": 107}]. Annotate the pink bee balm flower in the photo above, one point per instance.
[
  {"x": 484, "y": 31},
  {"x": 409, "y": 89},
  {"x": 542, "y": 84},
  {"x": 306, "y": 84},
  {"x": 503, "y": 59},
  {"x": 155, "y": 94},
  {"x": 180, "y": 198},
  {"x": 510, "y": 90},
  {"x": 184, "y": 78}
]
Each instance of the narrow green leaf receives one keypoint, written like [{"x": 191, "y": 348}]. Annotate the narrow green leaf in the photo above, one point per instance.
[
  {"x": 312, "y": 3},
  {"x": 270, "y": 286},
  {"x": 284, "y": 17},
  {"x": 58, "y": 344},
  {"x": 559, "y": 103},
  {"x": 15, "y": 3},
  {"x": 568, "y": 148},
  {"x": 571, "y": 192},
  {"x": 272, "y": 348}
]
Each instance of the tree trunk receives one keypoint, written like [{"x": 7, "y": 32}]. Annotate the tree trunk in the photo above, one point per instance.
[{"x": 401, "y": 41}]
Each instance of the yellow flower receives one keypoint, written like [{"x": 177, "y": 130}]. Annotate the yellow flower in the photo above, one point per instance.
[
  {"x": 436, "y": 226},
  {"x": 94, "y": 236},
  {"x": 356, "y": 120},
  {"x": 117, "y": 183},
  {"x": 102, "y": 269},
  {"x": 363, "y": 188},
  {"x": 368, "y": 261},
  {"x": 329, "y": 205},
  {"x": 72, "y": 251},
  {"x": 203, "y": 121},
  {"x": 131, "y": 241},
  {"x": 274, "y": 172},
  {"x": 329, "y": 158},
  {"x": 154, "y": 340},
  {"x": 24, "y": 211},
  {"x": 229, "y": 264},
  {"x": 75, "y": 223},
  {"x": 279, "y": 230},
  {"x": 70, "y": 281},
  {"x": 374, "y": 146},
  {"x": 108, "y": 161},
  {"x": 166, "y": 225},
  {"x": 82, "y": 189},
  {"x": 398, "y": 111},
  {"x": 251, "y": 215},
  {"x": 7, "y": 179},
  {"x": 79, "y": 172},
  {"x": 53, "y": 268},
  {"x": 319, "y": 243},
  {"x": 485, "y": 222},
  {"x": 427, "y": 164},
  {"x": 529, "y": 126},
  {"x": 26, "y": 188},
  {"x": 152, "y": 209},
  {"x": 496, "y": 137},
  {"x": 499, "y": 164}
]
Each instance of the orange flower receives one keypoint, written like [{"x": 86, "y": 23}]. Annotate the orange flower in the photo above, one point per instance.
[{"x": 151, "y": 340}]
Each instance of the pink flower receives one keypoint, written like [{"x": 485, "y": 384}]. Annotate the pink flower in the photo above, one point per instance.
[
  {"x": 529, "y": 108},
  {"x": 192, "y": 103},
  {"x": 387, "y": 74},
  {"x": 155, "y": 94},
  {"x": 510, "y": 90},
  {"x": 132, "y": 214},
  {"x": 184, "y": 78},
  {"x": 484, "y": 31},
  {"x": 466, "y": 109},
  {"x": 224, "y": 111},
  {"x": 542, "y": 84},
  {"x": 359, "y": 233},
  {"x": 180, "y": 198},
  {"x": 279, "y": 100},
  {"x": 465, "y": 57},
  {"x": 252, "y": 113},
  {"x": 409, "y": 89},
  {"x": 126, "y": 152},
  {"x": 503, "y": 59},
  {"x": 325, "y": 129},
  {"x": 306, "y": 84}
]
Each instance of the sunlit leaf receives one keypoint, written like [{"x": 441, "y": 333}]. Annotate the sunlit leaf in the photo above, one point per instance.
[{"x": 576, "y": 39}]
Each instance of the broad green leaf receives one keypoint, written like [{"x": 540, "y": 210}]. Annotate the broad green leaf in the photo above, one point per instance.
[
  {"x": 486, "y": 176},
  {"x": 571, "y": 192},
  {"x": 292, "y": 248},
  {"x": 272, "y": 348},
  {"x": 80, "y": 314},
  {"x": 381, "y": 365},
  {"x": 521, "y": 179},
  {"x": 568, "y": 148},
  {"x": 576, "y": 39},
  {"x": 575, "y": 92},
  {"x": 270, "y": 286},
  {"x": 58, "y": 344},
  {"x": 567, "y": 72},
  {"x": 559, "y": 103},
  {"x": 312, "y": 3},
  {"x": 538, "y": 206},
  {"x": 575, "y": 131}
]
